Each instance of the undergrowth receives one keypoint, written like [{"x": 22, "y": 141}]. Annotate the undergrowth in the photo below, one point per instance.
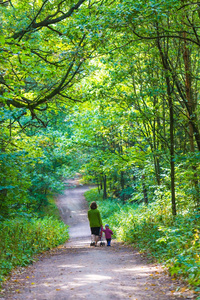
[
  {"x": 173, "y": 241},
  {"x": 22, "y": 238}
]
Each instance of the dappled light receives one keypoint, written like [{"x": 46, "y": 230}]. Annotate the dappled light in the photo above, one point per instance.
[
  {"x": 100, "y": 102},
  {"x": 75, "y": 270}
]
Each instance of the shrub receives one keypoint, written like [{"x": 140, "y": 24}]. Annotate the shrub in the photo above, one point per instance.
[
  {"x": 21, "y": 239},
  {"x": 173, "y": 241}
]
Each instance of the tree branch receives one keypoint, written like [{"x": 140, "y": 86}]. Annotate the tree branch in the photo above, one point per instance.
[
  {"x": 187, "y": 4},
  {"x": 164, "y": 36},
  {"x": 70, "y": 98},
  {"x": 46, "y": 22}
]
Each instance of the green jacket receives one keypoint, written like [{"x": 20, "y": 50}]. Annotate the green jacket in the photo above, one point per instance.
[{"x": 94, "y": 218}]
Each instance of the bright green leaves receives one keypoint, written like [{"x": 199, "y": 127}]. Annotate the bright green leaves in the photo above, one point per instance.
[
  {"x": 2, "y": 40},
  {"x": 40, "y": 64},
  {"x": 112, "y": 57}
]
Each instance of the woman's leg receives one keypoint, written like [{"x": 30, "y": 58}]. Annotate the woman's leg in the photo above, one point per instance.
[
  {"x": 97, "y": 235},
  {"x": 92, "y": 237}
]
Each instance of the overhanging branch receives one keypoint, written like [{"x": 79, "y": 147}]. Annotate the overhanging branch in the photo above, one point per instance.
[{"x": 48, "y": 21}]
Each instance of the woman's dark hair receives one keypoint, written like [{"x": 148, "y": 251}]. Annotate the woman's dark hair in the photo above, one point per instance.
[{"x": 93, "y": 205}]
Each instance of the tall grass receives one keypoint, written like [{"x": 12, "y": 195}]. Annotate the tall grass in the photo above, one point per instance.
[
  {"x": 173, "y": 241},
  {"x": 22, "y": 238}
]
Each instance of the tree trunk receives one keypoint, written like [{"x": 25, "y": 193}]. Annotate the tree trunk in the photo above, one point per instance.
[
  {"x": 191, "y": 112},
  {"x": 144, "y": 190},
  {"x": 156, "y": 123},
  {"x": 101, "y": 182},
  {"x": 171, "y": 113},
  {"x": 104, "y": 187}
]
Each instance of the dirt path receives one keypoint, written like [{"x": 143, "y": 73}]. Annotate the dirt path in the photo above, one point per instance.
[{"x": 78, "y": 271}]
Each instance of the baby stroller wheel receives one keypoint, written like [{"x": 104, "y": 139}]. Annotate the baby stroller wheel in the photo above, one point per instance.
[
  {"x": 92, "y": 244},
  {"x": 102, "y": 244}
]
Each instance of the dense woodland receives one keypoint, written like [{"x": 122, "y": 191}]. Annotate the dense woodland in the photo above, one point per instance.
[{"x": 109, "y": 89}]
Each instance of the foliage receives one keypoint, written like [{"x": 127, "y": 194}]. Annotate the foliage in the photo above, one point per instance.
[
  {"x": 174, "y": 242},
  {"x": 22, "y": 238},
  {"x": 29, "y": 175},
  {"x": 109, "y": 89},
  {"x": 119, "y": 77}
]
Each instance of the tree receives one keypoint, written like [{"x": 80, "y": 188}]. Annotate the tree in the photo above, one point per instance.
[{"x": 45, "y": 52}]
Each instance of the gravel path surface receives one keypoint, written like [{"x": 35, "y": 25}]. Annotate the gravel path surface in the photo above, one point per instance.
[{"x": 77, "y": 271}]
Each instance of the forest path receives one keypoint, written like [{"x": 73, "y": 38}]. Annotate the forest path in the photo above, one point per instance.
[{"x": 77, "y": 271}]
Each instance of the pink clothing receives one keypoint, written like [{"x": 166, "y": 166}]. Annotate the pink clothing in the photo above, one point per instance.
[{"x": 108, "y": 233}]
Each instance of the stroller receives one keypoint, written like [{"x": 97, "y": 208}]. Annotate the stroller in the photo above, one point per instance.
[{"x": 101, "y": 238}]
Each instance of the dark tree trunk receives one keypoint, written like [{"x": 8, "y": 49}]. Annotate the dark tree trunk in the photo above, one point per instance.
[
  {"x": 192, "y": 111},
  {"x": 171, "y": 112},
  {"x": 144, "y": 190},
  {"x": 104, "y": 187},
  {"x": 165, "y": 63}
]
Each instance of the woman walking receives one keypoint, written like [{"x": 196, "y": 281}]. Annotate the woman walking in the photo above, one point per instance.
[{"x": 95, "y": 222}]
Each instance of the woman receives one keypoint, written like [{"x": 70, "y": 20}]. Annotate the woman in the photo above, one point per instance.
[{"x": 95, "y": 222}]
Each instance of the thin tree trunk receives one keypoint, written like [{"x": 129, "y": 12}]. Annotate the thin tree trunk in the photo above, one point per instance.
[
  {"x": 171, "y": 113},
  {"x": 104, "y": 187},
  {"x": 156, "y": 145},
  {"x": 144, "y": 190},
  {"x": 101, "y": 182},
  {"x": 122, "y": 184},
  {"x": 191, "y": 112}
]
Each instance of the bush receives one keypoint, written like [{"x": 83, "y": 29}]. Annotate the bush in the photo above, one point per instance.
[
  {"x": 174, "y": 242},
  {"x": 21, "y": 239}
]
